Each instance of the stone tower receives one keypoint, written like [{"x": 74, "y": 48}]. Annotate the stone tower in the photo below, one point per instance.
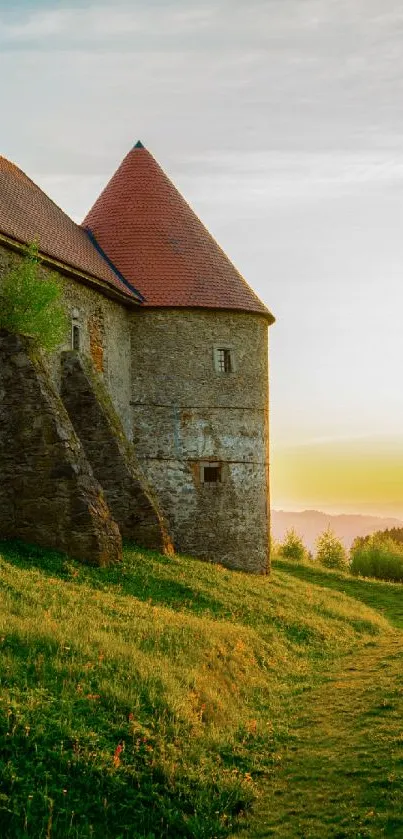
[{"x": 199, "y": 367}]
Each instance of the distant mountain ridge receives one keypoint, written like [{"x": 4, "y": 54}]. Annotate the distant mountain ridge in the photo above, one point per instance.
[{"x": 310, "y": 523}]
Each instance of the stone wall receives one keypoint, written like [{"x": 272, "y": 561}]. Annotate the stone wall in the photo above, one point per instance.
[
  {"x": 104, "y": 330},
  {"x": 48, "y": 494},
  {"x": 161, "y": 372},
  {"x": 111, "y": 455},
  {"x": 186, "y": 414}
]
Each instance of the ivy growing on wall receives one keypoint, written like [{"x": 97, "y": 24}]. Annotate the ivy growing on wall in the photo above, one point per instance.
[{"x": 30, "y": 304}]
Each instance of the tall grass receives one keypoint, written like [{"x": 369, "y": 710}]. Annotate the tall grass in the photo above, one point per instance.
[{"x": 151, "y": 700}]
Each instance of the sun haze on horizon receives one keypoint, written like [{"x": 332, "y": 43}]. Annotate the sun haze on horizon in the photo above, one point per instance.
[{"x": 340, "y": 476}]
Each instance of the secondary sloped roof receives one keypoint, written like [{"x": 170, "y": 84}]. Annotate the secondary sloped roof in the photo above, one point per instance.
[
  {"x": 159, "y": 244},
  {"x": 27, "y": 214}
]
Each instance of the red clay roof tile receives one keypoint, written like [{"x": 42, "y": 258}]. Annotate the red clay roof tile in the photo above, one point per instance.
[
  {"x": 158, "y": 243},
  {"x": 27, "y": 214}
]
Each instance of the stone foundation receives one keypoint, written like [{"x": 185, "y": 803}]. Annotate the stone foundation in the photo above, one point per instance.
[
  {"x": 48, "y": 494},
  {"x": 111, "y": 455}
]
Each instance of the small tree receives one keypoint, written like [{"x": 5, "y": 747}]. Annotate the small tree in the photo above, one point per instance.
[
  {"x": 30, "y": 305},
  {"x": 274, "y": 547},
  {"x": 330, "y": 551},
  {"x": 293, "y": 547}
]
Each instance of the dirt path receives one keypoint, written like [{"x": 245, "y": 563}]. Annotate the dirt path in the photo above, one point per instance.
[{"x": 342, "y": 772}]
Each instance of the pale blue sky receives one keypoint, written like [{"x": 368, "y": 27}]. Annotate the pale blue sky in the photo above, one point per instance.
[{"x": 281, "y": 121}]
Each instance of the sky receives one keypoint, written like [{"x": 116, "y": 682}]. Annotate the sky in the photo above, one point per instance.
[{"x": 281, "y": 122}]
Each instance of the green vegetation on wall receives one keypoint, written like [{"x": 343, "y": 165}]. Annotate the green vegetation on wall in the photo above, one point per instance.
[{"x": 30, "y": 304}]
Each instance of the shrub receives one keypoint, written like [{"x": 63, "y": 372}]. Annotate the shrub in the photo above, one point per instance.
[
  {"x": 377, "y": 556},
  {"x": 330, "y": 551},
  {"x": 30, "y": 305},
  {"x": 293, "y": 547},
  {"x": 394, "y": 533}
]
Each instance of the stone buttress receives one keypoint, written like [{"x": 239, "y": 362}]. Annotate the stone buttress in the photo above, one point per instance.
[
  {"x": 111, "y": 455},
  {"x": 48, "y": 493}
]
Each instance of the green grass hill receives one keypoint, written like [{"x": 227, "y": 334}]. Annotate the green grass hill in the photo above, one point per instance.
[{"x": 167, "y": 697}]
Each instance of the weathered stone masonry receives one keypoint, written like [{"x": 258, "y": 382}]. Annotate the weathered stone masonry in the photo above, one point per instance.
[
  {"x": 99, "y": 319},
  {"x": 186, "y": 414},
  {"x": 111, "y": 455},
  {"x": 45, "y": 502},
  {"x": 48, "y": 494}
]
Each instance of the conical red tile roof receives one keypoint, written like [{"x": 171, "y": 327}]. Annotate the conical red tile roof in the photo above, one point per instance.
[
  {"x": 27, "y": 214},
  {"x": 160, "y": 246}
]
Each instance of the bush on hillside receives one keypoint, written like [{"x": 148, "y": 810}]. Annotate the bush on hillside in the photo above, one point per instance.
[
  {"x": 30, "y": 305},
  {"x": 293, "y": 547},
  {"x": 377, "y": 556},
  {"x": 394, "y": 533},
  {"x": 330, "y": 551}
]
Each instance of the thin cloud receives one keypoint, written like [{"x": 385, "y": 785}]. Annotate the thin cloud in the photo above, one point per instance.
[
  {"x": 101, "y": 24},
  {"x": 259, "y": 177}
]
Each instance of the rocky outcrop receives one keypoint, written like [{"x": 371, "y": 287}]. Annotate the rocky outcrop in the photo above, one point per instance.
[
  {"x": 111, "y": 456},
  {"x": 48, "y": 493}
]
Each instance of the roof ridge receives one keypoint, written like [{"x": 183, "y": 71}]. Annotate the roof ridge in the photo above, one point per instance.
[
  {"x": 7, "y": 165},
  {"x": 105, "y": 256},
  {"x": 28, "y": 213}
]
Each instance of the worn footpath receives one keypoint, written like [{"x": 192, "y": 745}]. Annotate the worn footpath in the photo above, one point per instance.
[{"x": 341, "y": 774}]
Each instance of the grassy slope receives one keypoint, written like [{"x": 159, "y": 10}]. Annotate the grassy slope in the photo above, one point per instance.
[
  {"x": 341, "y": 771},
  {"x": 156, "y": 699}
]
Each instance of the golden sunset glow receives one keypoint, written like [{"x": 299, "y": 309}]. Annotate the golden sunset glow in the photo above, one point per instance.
[{"x": 366, "y": 476}]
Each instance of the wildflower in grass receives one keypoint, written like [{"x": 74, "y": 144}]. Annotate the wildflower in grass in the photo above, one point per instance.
[{"x": 116, "y": 756}]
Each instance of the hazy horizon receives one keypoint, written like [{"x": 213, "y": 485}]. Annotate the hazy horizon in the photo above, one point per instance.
[
  {"x": 280, "y": 121},
  {"x": 372, "y": 511}
]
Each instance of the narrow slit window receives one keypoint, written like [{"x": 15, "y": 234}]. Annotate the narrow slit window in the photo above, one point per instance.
[
  {"x": 75, "y": 337},
  {"x": 224, "y": 360}
]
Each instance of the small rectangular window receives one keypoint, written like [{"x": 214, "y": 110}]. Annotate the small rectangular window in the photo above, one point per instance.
[
  {"x": 210, "y": 473},
  {"x": 223, "y": 359}
]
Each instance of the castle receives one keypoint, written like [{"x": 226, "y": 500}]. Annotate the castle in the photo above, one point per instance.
[{"x": 151, "y": 422}]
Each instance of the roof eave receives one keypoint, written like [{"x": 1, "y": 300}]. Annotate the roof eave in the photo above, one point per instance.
[
  {"x": 234, "y": 309},
  {"x": 70, "y": 271}
]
